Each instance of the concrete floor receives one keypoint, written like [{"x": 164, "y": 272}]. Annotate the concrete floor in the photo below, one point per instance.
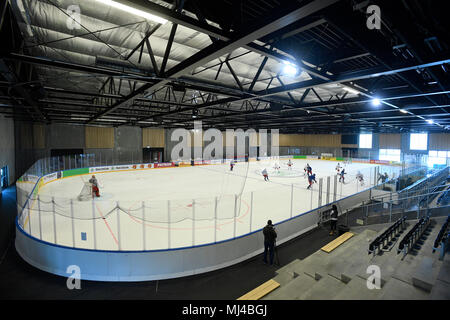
[{"x": 342, "y": 274}]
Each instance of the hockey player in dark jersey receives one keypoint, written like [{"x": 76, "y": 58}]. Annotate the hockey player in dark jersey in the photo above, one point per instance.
[{"x": 311, "y": 178}]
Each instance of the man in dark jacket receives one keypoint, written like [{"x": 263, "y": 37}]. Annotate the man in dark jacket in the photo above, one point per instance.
[
  {"x": 270, "y": 236},
  {"x": 333, "y": 219}
]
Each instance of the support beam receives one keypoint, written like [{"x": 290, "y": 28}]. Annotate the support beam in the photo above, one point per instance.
[
  {"x": 169, "y": 46},
  {"x": 234, "y": 75},
  {"x": 261, "y": 67},
  {"x": 220, "y": 48},
  {"x": 309, "y": 84}
]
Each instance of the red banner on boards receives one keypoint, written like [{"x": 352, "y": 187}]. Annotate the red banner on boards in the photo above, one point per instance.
[{"x": 163, "y": 165}]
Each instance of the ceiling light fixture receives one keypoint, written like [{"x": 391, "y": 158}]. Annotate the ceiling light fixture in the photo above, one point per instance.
[
  {"x": 351, "y": 90},
  {"x": 430, "y": 121},
  {"x": 376, "y": 102},
  {"x": 289, "y": 69},
  {"x": 134, "y": 11},
  {"x": 403, "y": 111}
]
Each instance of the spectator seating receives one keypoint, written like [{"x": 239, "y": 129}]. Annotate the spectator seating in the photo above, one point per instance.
[
  {"x": 443, "y": 197},
  {"x": 410, "y": 239},
  {"x": 377, "y": 245},
  {"x": 441, "y": 242}
]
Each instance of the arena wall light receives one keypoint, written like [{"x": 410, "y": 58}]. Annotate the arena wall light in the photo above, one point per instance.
[{"x": 129, "y": 9}]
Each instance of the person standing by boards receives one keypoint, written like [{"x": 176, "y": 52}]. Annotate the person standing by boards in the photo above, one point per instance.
[
  {"x": 270, "y": 236},
  {"x": 333, "y": 219}
]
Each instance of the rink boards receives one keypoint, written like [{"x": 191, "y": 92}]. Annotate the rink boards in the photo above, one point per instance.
[{"x": 235, "y": 240}]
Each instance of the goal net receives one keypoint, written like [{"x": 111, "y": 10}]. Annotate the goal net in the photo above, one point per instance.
[{"x": 86, "y": 192}]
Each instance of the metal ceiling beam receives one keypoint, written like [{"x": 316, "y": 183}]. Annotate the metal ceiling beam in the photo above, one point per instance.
[
  {"x": 143, "y": 40},
  {"x": 220, "y": 48},
  {"x": 234, "y": 75},
  {"x": 152, "y": 57},
  {"x": 195, "y": 84},
  {"x": 168, "y": 47},
  {"x": 219, "y": 34},
  {"x": 371, "y": 42},
  {"x": 309, "y": 84},
  {"x": 75, "y": 67},
  {"x": 261, "y": 67}
]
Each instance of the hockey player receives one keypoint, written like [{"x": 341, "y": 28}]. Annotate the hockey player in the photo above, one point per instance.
[
  {"x": 265, "y": 175},
  {"x": 341, "y": 176},
  {"x": 311, "y": 178},
  {"x": 232, "y": 164},
  {"x": 289, "y": 164},
  {"x": 277, "y": 167},
  {"x": 308, "y": 169},
  {"x": 360, "y": 178},
  {"x": 95, "y": 191},
  {"x": 338, "y": 168},
  {"x": 383, "y": 177}
]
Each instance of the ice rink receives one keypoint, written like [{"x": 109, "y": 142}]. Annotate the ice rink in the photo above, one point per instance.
[{"x": 183, "y": 206}]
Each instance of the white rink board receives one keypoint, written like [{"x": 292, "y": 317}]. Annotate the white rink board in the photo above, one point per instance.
[{"x": 122, "y": 246}]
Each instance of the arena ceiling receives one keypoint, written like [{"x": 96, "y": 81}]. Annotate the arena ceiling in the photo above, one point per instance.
[{"x": 222, "y": 62}]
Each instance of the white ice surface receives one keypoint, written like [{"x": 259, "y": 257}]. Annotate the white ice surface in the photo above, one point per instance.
[{"x": 135, "y": 206}]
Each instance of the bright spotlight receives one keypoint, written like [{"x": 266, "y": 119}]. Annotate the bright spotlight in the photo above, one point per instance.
[
  {"x": 376, "y": 102},
  {"x": 430, "y": 121},
  {"x": 403, "y": 111},
  {"x": 289, "y": 69}
]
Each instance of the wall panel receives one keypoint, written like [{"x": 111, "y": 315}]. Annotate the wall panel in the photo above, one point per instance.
[
  {"x": 439, "y": 141},
  {"x": 39, "y": 136},
  {"x": 153, "y": 137},
  {"x": 390, "y": 141},
  {"x": 99, "y": 137}
]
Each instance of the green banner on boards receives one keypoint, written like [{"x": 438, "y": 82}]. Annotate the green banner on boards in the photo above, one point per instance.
[
  {"x": 74, "y": 172},
  {"x": 299, "y": 157}
]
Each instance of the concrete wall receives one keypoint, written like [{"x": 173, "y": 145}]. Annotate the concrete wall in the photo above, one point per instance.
[
  {"x": 7, "y": 144},
  {"x": 64, "y": 136},
  {"x": 7, "y": 158},
  {"x": 372, "y": 153},
  {"x": 127, "y": 144}
]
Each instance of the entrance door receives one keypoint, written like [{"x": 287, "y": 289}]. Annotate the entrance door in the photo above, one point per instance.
[{"x": 151, "y": 155}]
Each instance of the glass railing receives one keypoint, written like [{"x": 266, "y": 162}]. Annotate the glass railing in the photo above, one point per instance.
[{"x": 225, "y": 204}]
